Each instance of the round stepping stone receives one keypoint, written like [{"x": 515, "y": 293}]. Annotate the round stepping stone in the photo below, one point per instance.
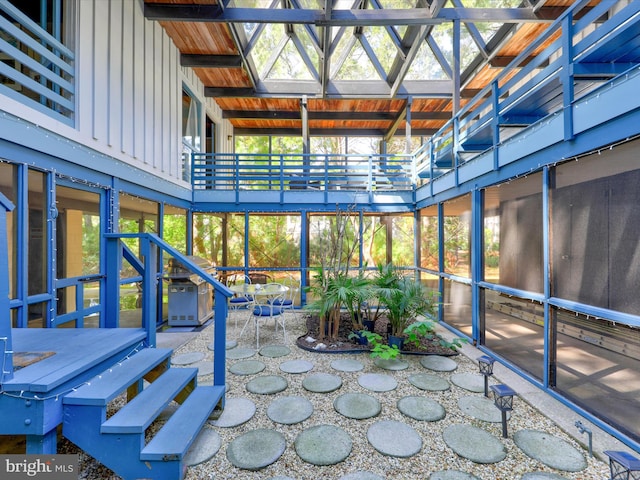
[
  {"x": 426, "y": 381},
  {"x": 205, "y": 446},
  {"x": 474, "y": 444},
  {"x": 438, "y": 363},
  {"x": 347, "y": 365},
  {"x": 481, "y": 408},
  {"x": 228, "y": 345},
  {"x": 391, "y": 363},
  {"x": 204, "y": 368},
  {"x": 469, "y": 381},
  {"x": 236, "y": 412},
  {"x": 550, "y": 450},
  {"x": 377, "y": 382},
  {"x": 256, "y": 449},
  {"x": 267, "y": 384},
  {"x": 323, "y": 445},
  {"x": 361, "y": 476},
  {"x": 452, "y": 475},
  {"x": 275, "y": 351},
  {"x": 394, "y": 439},
  {"x": 296, "y": 366},
  {"x": 357, "y": 405},
  {"x": 239, "y": 353},
  {"x": 187, "y": 358},
  {"x": 247, "y": 367},
  {"x": 322, "y": 383},
  {"x": 542, "y": 476},
  {"x": 421, "y": 408},
  {"x": 290, "y": 410}
]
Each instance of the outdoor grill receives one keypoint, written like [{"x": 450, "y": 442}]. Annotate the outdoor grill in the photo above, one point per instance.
[{"x": 190, "y": 300}]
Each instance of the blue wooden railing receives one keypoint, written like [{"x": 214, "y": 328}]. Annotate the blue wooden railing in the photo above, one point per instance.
[
  {"x": 375, "y": 172},
  {"x": 37, "y": 69}
]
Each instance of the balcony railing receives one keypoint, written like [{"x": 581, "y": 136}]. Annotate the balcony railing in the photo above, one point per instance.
[
  {"x": 319, "y": 172},
  {"x": 35, "y": 68}
]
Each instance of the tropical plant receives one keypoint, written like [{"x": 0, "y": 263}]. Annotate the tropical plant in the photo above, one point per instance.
[{"x": 402, "y": 298}]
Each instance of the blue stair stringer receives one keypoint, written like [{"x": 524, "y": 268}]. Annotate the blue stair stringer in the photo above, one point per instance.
[{"x": 119, "y": 442}]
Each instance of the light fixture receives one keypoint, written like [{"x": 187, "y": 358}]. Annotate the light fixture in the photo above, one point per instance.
[
  {"x": 503, "y": 398},
  {"x": 485, "y": 362}
]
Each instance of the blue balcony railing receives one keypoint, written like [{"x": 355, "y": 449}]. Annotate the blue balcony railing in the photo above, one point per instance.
[
  {"x": 35, "y": 68},
  {"x": 376, "y": 172}
]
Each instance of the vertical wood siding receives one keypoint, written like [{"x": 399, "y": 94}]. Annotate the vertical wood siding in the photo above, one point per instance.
[{"x": 129, "y": 83}]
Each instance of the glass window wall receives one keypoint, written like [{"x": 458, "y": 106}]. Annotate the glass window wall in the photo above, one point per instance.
[{"x": 457, "y": 236}]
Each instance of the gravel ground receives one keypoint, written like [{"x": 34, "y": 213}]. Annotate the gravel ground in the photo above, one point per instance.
[{"x": 434, "y": 456}]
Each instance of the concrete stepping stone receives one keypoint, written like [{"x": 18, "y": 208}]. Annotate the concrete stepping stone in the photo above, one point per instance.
[
  {"x": 322, "y": 383},
  {"x": 267, "y": 384},
  {"x": 421, "y": 408},
  {"x": 228, "y": 345},
  {"x": 361, "y": 476},
  {"x": 274, "y": 351},
  {"x": 323, "y": 445},
  {"x": 469, "y": 381},
  {"x": 204, "y": 447},
  {"x": 357, "y": 405},
  {"x": 542, "y": 476},
  {"x": 256, "y": 449},
  {"x": 247, "y": 367},
  {"x": 438, "y": 363},
  {"x": 394, "y": 439},
  {"x": 347, "y": 365},
  {"x": 452, "y": 475},
  {"x": 377, "y": 382},
  {"x": 391, "y": 363},
  {"x": 426, "y": 381},
  {"x": 204, "y": 367},
  {"x": 474, "y": 444},
  {"x": 296, "y": 366},
  {"x": 240, "y": 353},
  {"x": 187, "y": 358},
  {"x": 290, "y": 410},
  {"x": 550, "y": 450},
  {"x": 481, "y": 408},
  {"x": 236, "y": 412}
]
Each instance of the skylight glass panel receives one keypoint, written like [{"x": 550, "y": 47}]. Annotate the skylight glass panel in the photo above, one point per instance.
[
  {"x": 398, "y": 3},
  {"x": 425, "y": 66},
  {"x": 382, "y": 44},
  {"x": 271, "y": 36},
  {"x": 357, "y": 66},
  {"x": 290, "y": 65}
]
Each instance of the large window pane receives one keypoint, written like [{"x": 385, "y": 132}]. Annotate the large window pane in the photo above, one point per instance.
[
  {"x": 37, "y": 252},
  {"x": 513, "y": 328},
  {"x": 8, "y": 186},
  {"x": 429, "y": 240},
  {"x": 596, "y": 225},
  {"x": 374, "y": 241},
  {"x": 174, "y": 227},
  {"x": 208, "y": 236},
  {"x": 235, "y": 240},
  {"x": 512, "y": 234},
  {"x": 457, "y": 306},
  {"x": 274, "y": 240},
  {"x": 402, "y": 240},
  {"x": 598, "y": 367},
  {"x": 327, "y": 233},
  {"x": 457, "y": 236}
]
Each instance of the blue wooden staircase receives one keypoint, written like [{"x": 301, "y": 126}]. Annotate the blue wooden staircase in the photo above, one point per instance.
[{"x": 121, "y": 441}]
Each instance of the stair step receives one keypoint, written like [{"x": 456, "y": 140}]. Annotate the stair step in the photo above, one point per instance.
[
  {"x": 102, "y": 389},
  {"x": 176, "y": 436},
  {"x": 138, "y": 414}
]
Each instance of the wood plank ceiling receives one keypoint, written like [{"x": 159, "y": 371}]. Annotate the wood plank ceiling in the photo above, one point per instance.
[{"x": 230, "y": 46}]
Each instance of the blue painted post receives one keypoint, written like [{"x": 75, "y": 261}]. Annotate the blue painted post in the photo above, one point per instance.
[
  {"x": 5, "y": 314},
  {"x": 149, "y": 252},
  {"x": 111, "y": 294},
  {"x": 219, "y": 338}
]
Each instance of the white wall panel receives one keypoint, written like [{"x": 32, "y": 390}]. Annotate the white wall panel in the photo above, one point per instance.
[{"x": 128, "y": 94}]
